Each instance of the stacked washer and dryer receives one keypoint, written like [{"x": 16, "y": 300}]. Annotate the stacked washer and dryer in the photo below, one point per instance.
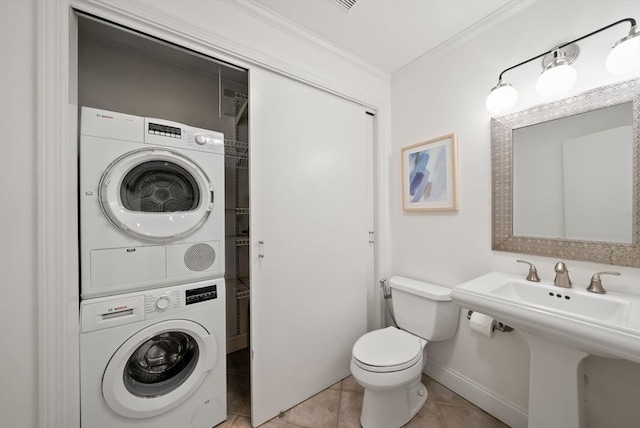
[{"x": 152, "y": 344}]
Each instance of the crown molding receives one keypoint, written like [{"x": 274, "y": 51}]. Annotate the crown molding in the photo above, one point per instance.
[
  {"x": 472, "y": 31},
  {"x": 257, "y": 10}
]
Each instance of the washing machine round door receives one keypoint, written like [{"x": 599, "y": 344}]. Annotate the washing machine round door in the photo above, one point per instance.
[
  {"x": 158, "y": 368},
  {"x": 156, "y": 195}
]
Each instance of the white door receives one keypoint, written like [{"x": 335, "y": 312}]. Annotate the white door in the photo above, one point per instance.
[{"x": 312, "y": 210}]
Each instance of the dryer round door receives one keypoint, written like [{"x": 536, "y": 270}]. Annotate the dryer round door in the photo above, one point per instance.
[
  {"x": 155, "y": 195},
  {"x": 158, "y": 368}
]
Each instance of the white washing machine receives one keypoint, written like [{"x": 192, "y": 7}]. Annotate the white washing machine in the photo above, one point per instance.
[
  {"x": 151, "y": 203},
  {"x": 154, "y": 359}
]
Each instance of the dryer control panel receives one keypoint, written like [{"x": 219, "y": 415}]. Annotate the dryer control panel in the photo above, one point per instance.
[
  {"x": 164, "y": 130},
  {"x": 173, "y": 134}
]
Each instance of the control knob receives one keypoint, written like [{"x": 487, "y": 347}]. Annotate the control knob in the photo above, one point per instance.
[
  {"x": 163, "y": 302},
  {"x": 201, "y": 140}
]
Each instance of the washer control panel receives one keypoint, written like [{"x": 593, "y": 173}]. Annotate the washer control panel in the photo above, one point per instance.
[
  {"x": 162, "y": 302},
  {"x": 197, "y": 295},
  {"x": 110, "y": 311},
  {"x": 168, "y": 301}
]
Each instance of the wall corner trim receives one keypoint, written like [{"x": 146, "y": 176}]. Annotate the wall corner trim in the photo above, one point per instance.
[
  {"x": 503, "y": 409},
  {"x": 472, "y": 31}
]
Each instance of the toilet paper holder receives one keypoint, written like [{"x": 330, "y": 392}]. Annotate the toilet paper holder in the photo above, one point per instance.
[{"x": 499, "y": 326}]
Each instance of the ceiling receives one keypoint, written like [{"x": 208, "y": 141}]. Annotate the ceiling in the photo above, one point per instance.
[{"x": 386, "y": 33}]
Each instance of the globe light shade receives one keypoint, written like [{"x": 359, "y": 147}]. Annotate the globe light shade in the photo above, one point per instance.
[
  {"x": 501, "y": 98},
  {"x": 624, "y": 58},
  {"x": 556, "y": 79}
]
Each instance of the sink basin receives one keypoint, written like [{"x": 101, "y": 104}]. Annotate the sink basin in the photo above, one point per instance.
[
  {"x": 562, "y": 326},
  {"x": 586, "y": 306},
  {"x": 606, "y": 325}
]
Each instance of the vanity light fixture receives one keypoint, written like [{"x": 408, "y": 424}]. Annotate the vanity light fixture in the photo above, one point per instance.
[
  {"x": 624, "y": 58},
  {"x": 501, "y": 97},
  {"x": 558, "y": 75}
]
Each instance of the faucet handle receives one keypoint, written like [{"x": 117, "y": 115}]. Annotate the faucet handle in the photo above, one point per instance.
[
  {"x": 595, "y": 286},
  {"x": 533, "y": 273}
]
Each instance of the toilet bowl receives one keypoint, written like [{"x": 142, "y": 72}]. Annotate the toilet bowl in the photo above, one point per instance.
[{"x": 388, "y": 362}]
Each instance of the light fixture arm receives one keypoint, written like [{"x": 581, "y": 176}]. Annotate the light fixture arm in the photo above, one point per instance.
[{"x": 630, "y": 20}]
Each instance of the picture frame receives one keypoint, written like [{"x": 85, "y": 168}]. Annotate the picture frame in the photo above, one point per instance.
[{"x": 429, "y": 175}]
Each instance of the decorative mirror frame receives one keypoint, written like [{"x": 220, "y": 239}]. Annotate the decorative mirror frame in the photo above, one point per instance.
[{"x": 502, "y": 179}]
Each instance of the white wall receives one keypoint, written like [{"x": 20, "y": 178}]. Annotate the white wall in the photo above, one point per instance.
[
  {"x": 446, "y": 93},
  {"x": 18, "y": 205},
  {"x": 19, "y": 26}
]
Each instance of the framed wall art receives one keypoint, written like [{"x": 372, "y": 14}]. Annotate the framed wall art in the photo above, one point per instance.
[{"x": 429, "y": 175}]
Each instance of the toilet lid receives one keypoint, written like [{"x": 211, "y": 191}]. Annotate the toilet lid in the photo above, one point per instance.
[{"x": 387, "y": 349}]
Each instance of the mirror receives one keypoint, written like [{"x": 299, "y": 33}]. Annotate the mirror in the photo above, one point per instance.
[
  {"x": 566, "y": 177},
  {"x": 572, "y": 176}
]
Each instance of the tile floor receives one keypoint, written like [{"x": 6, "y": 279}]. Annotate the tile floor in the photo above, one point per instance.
[{"x": 339, "y": 406}]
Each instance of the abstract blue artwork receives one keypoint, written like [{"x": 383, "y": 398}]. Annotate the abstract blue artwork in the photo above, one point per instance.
[
  {"x": 429, "y": 175},
  {"x": 428, "y": 179}
]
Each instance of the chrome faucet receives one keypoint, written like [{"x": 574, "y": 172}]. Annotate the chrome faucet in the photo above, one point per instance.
[{"x": 562, "y": 276}]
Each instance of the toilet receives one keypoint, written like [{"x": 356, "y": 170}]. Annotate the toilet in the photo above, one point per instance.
[{"x": 388, "y": 362}]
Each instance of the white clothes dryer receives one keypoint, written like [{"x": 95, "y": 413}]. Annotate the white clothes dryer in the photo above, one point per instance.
[
  {"x": 151, "y": 203},
  {"x": 154, "y": 359}
]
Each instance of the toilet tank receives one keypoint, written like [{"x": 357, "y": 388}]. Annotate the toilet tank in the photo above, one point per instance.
[{"x": 424, "y": 309}]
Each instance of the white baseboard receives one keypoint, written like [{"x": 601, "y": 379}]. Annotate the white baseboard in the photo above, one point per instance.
[{"x": 508, "y": 412}]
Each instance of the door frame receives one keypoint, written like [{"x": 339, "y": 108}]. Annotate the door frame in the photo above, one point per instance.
[{"x": 56, "y": 160}]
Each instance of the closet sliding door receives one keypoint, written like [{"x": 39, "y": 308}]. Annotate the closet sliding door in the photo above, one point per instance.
[{"x": 311, "y": 256}]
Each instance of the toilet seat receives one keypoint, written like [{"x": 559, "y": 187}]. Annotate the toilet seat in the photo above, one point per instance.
[{"x": 387, "y": 350}]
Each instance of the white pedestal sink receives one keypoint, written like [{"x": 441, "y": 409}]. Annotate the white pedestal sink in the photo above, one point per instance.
[
  {"x": 562, "y": 327},
  {"x": 556, "y": 385}
]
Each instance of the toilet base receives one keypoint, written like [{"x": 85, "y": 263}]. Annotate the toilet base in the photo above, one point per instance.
[{"x": 392, "y": 408}]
